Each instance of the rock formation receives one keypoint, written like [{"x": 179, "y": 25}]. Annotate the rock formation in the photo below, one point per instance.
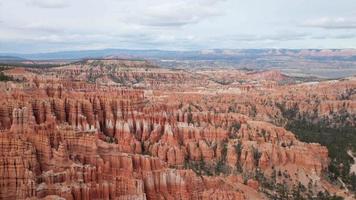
[{"x": 81, "y": 138}]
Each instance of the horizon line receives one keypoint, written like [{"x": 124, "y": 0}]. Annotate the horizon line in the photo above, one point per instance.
[{"x": 168, "y": 50}]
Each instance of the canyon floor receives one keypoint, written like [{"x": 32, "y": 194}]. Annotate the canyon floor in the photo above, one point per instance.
[{"x": 131, "y": 130}]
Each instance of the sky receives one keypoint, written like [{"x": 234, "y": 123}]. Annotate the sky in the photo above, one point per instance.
[{"x": 32, "y": 26}]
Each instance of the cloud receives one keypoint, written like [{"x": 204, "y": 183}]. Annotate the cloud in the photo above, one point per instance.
[
  {"x": 341, "y": 36},
  {"x": 172, "y": 13},
  {"x": 345, "y": 36},
  {"x": 76, "y": 40},
  {"x": 48, "y": 3},
  {"x": 331, "y": 23},
  {"x": 283, "y": 36},
  {"x": 41, "y": 27},
  {"x": 172, "y": 24}
]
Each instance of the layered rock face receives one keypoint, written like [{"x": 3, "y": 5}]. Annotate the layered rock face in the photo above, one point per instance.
[
  {"x": 91, "y": 145},
  {"x": 75, "y": 139}
]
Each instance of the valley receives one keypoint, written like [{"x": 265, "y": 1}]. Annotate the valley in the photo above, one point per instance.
[{"x": 131, "y": 129}]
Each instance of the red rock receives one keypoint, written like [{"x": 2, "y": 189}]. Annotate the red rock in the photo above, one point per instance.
[{"x": 65, "y": 138}]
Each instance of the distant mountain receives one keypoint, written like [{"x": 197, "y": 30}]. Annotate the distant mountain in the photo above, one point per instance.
[
  {"x": 11, "y": 58},
  {"x": 322, "y": 63},
  {"x": 214, "y": 54},
  {"x": 123, "y": 53}
]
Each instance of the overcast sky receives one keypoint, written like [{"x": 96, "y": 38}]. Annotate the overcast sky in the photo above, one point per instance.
[{"x": 29, "y": 26}]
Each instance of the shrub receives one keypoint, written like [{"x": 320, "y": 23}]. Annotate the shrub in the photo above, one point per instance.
[
  {"x": 4, "y": 77},
  {"x": 256, "y": 155}
]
